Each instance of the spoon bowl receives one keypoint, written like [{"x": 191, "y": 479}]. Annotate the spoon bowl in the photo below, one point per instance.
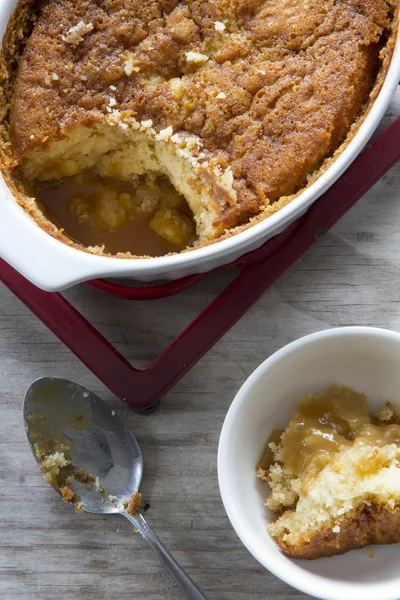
[{"x": 98, "y": 439}]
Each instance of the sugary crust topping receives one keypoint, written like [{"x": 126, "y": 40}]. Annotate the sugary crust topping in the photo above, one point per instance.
[{"x": 270, "y": 88}]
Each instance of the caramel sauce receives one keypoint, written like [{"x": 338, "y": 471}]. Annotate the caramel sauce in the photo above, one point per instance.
[
  {"x": 267, "y": 457},
  {"x": 94, "y": 211},
  {"x": 328, "y": 423}
]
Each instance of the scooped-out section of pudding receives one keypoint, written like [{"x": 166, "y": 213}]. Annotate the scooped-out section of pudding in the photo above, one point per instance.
[
  {"x": 334, "y": 476},
  {"x": 156, "y": 170},
  {"x": 149, "y": 218}
]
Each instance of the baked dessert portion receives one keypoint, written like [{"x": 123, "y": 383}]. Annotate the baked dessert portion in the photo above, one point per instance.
[
  {"x": 237, "y": 103},
  {"x": 334, "y": 475}
]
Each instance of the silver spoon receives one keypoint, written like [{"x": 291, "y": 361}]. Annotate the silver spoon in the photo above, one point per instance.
[{"x": 66, "y": 422}]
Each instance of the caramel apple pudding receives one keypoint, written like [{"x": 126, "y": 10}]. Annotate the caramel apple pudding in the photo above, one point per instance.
[
  {"x": 334, "y": 475},
  {"x": 141, "y": 128},
  {"x": 151, "y": 219}
]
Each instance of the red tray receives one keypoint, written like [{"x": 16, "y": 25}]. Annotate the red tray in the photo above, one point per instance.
[{"x": 257, "y": 271}]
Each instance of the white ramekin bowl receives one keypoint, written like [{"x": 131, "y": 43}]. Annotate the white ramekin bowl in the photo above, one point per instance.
[
  {"x": 366, "y": 359},
  {"x": 51, "y": 265}
]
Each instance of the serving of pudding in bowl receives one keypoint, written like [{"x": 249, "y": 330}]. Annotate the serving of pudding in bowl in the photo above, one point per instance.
[
  {"x": 334, "y": 474},
  {"x": 333, "y": 491}
]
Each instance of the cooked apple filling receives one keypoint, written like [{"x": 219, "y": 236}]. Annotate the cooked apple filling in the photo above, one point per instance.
[{"x": 151, "y": 218}]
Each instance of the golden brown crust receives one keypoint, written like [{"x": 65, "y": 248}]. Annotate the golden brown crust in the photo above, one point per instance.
[
  {"x": 294, "y": 78},
  {"x": 272, "y": 128},
  {"x": 368, "y": 524},
  {"x": 15, "y": 38}
]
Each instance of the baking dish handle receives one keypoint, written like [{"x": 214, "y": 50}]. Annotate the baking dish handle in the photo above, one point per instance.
[{"x": 39, "y": 257}]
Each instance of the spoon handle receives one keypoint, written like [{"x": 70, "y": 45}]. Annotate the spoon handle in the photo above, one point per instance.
[{"x": 187, "y": 585}]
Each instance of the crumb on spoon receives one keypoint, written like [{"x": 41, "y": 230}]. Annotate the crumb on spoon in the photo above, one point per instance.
[{"x": 133, "y": 503}]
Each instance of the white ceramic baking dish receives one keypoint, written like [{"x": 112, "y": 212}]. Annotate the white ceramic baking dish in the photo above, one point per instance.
[{"x": 52, "y": 265}]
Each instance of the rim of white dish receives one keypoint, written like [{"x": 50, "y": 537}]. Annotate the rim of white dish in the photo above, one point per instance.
[
  {"x": 83, "y": 266},
  {"x": 312, "y": 584}
]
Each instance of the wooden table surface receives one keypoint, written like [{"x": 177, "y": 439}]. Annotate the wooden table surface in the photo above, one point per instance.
[{"x": 46, "y": 550}]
